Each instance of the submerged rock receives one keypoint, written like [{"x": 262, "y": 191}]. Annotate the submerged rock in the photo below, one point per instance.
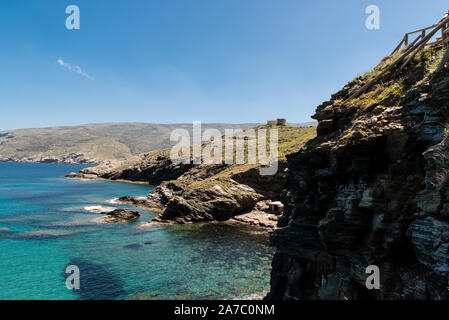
[
  {"x": 133, "y": 246},
  {"x": 96, "y": 283}
]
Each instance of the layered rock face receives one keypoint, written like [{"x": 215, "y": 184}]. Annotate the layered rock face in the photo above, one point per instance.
[{"x": 371, "y": 189}]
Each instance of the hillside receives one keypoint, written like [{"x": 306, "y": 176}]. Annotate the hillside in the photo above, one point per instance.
[
  {"x": 193, "y": 193},
  {"x": 91, "y": 143},
  {"x": 371, "y": 189}
]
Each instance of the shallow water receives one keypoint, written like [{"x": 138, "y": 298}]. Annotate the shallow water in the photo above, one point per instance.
[{"x": 44, "y": 227}]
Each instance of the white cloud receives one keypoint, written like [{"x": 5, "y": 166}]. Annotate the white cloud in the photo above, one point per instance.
[{"x": 76, "y": 69}]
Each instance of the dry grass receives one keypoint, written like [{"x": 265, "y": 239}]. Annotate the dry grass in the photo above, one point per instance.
[{"x": 290, "y": 140}]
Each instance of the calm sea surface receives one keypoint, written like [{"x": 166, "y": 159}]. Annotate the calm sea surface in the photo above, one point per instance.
[{"x": 44, "y": 227}]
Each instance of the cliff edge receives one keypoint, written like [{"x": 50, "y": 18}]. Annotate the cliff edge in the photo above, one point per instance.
[{"x": 371, "y": 189}]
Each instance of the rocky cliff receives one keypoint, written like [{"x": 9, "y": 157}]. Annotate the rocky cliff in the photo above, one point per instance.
[{"x": 371, "y": 189}]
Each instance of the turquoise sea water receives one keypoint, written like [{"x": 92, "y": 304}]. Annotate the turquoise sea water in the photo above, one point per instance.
[{"x": 44, "y": 227}]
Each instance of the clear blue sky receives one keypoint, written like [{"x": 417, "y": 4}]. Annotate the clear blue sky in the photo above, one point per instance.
[{"x": 171, "y": 61}]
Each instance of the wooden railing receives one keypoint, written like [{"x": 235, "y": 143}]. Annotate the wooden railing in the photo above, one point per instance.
[
  {"x": 410, "y": 50},
  {"x": 407, "y": 36}
]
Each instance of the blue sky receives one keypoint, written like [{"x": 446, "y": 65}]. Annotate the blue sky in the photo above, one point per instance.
[{"x": 172, "y": 61}]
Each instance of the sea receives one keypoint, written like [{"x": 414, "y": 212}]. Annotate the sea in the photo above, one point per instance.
[{"x": 46, "y": 227}]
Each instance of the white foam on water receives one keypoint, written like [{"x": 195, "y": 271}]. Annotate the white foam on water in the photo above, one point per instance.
[{"x": 99, "y": 209}]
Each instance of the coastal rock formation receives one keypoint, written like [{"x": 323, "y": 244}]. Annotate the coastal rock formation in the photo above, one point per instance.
[
  {"x": 71, "y": 158},
  {"x": 121, "y": 216},
  {"x": 260, "y": 216},
  {"x": 113, "y": 215},
  {"x": 152, "y": 168},
  {"x": 371, "y": 189},
  {"x": 219, "y": 201},
  {"x": 187, "y": 193}
]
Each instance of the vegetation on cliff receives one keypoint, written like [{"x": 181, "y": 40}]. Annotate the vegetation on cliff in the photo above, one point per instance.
[{"x": 364, "y": 191}]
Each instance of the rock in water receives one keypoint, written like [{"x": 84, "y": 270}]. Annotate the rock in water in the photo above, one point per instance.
[{"x": 121, "y": 216}]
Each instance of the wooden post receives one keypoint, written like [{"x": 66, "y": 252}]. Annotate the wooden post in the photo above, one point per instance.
[
  {"x": 415, "y": 41},
  {"x": 446, "y": 33},
  {"x": 443, "y": 35},
  {"x": 406, "y": 40},
  {"x": 399, "y": 46},
  {"x": 443, "y": 60}
]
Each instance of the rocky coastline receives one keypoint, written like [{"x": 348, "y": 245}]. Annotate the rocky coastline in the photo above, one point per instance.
[
  {"x": 190, "y": 193},
  {"x": 371, "y": 189},
  {"x": 68, "y": 159}
]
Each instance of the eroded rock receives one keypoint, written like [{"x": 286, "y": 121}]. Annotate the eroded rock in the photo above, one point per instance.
[{"x": 369, "y": 190}]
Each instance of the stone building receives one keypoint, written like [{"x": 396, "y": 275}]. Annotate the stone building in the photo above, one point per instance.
[{"x": 277, "y": 122}]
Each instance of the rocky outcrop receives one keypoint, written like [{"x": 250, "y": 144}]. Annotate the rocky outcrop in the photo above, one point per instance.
[
  {"x": 219, "y": 201},
  {"x": 121, "y": 216},
  {"x": 260, "y": 217},
  {"x": 151, "y": 202},
  {"x": 113, "y": 215},
  {"x": 223, "y": 191},
  {"x": 152, "y": 167},
  {"x": 188, "y": 193},
  {"x": 370, "y": 190}
]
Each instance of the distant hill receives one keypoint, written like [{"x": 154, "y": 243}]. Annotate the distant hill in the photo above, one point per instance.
[{"x": 92, "y": 143}]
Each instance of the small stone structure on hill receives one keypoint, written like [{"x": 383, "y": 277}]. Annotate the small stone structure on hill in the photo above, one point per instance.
[{"x": 277, "y": 122}]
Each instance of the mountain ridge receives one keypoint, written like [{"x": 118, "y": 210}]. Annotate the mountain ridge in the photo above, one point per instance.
[
  {"x": 90, "y": 143},
  {"x": 94, "y": 143}
]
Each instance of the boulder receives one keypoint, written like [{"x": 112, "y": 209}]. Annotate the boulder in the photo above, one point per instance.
[{"x": 121, "y": 216}]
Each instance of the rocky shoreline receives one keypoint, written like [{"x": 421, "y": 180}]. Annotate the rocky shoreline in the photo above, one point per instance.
[
  {"x": 190, "y": 193},
  {"x": 69, "y": 159},
  {"x": 114, "y": 215},
  {"x": 259, "y": 218},
  {"x": 77, "y": 175}
]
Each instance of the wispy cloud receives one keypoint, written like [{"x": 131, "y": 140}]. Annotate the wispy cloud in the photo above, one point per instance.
[{"x": 76, "y": 69}]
